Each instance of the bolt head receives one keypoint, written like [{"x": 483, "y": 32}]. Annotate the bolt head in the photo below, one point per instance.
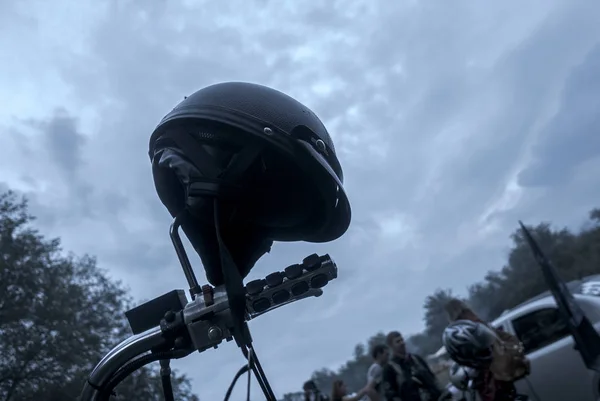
[{"x": 215, "y": 333}]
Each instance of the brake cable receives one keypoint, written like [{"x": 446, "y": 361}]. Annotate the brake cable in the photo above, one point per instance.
[
  {"x": 165, "y": 378},
  {"x": 240, "y": 372}
]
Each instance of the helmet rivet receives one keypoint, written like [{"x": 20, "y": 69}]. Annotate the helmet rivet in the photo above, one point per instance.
[
  {"x": 268, "y": 131},
  {"x": 321, "y": 145}
]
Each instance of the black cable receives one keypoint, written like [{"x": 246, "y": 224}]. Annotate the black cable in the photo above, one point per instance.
[
  {"x": 259, "y": 373},
  {"x": 240, "y": 372},
  {"x": 132, "y": 366},
  {"x": 259, "y": 370},
  {"x": 165, "y": 378},
  {"x": 250, "y": 362},
  {"x": 249, "y": 367}
]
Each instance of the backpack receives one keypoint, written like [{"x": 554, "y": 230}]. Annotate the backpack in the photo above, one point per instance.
[{"x": 509, "y": 362}]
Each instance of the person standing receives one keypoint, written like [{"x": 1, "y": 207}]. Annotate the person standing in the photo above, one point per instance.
[
  {"x": 407, "y": 377},
  {"x": 312, "y": 393},
  {"x": 380, "y": 354}
]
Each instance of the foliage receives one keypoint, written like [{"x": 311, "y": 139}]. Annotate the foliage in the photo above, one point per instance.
[
  {"x": 59, "y": 315},
  {"x": 575, "y": 255}
]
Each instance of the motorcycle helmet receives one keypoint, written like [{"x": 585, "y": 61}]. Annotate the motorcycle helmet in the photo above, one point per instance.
[
  {"x": 469, "y": 343},
  {"x": 244, "y": 165}
]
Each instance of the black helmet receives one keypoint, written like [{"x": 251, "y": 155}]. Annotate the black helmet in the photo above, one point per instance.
[
  {"x": 259, "y": 155},
  {"x": 469, "y": 343}
]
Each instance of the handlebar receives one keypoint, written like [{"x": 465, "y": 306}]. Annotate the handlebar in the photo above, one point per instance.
[
  {"x": 171, "y": 327},
  {"x": 117, "y": 357}
]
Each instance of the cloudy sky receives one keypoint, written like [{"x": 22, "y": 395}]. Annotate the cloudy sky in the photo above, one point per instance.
[{"x": 453, "y": 119}]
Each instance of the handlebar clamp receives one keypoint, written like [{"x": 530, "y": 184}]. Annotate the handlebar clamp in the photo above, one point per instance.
[{"x": 208, "y": 325}]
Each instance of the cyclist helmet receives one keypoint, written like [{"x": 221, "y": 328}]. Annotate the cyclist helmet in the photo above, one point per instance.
[
  {"x": 469, "y": 343},
  {"x": 460, "y": 376},
  {"x": 245, "y": 165}
]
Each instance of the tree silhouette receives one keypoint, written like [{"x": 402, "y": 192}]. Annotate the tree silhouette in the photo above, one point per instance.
[{"x": 59, "y": 315}]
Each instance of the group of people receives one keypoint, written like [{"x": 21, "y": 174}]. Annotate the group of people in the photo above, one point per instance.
[{"x": 397, "y": 375}]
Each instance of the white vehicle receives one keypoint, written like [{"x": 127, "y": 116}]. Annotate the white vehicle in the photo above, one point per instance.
[{"x": 557, "y": 370}]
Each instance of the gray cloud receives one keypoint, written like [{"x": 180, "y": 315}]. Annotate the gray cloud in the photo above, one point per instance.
[
  {"x": 63, "y": 141},
  {"x": 435, "y": 108},
  {"x": 571, "y": 137}
]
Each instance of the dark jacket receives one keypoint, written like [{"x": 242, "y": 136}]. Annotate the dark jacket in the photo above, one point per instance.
[{"x": 405, "y": 379}]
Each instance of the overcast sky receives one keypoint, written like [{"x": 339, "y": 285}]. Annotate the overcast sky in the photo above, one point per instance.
[{"x": 453, "y": 119}]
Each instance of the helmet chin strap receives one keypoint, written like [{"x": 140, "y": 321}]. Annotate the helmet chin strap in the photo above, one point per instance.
[
  {"x": 234, "y": 284},
  {"x": 236, "y": 294}
]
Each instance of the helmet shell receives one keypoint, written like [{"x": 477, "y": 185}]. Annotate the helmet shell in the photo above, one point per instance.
[
  {"x": 284, "y": 125},
  {"x": 469, "y": 343}
]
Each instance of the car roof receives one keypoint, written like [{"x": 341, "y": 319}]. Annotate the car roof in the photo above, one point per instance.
[
  {"x": 548, "y": 300},
  {"x": 575, "y": 287}
]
